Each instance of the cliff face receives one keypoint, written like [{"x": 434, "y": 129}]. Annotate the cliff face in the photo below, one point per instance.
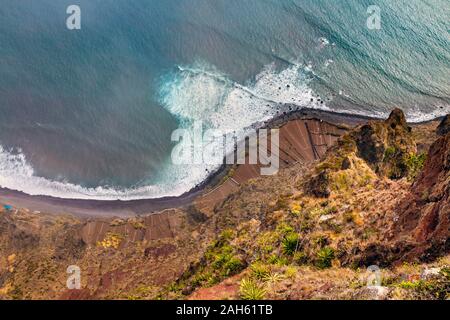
[
  {"x": 444, "y": 126},
  {"x": 277, "y": 236},
  {"x": 419, "y": 226},
  {"x": 308, "y": 232},
  {"x": 424, "y": 215}
]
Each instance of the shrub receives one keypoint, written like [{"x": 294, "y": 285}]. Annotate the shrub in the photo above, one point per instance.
[
  {"x": 342, "y": 181},
  {"x": 415, "y": 163},
  {"x": 411, "y": 285},
  {"x": 323, "y": 211},
  {"x": 284, "y": 229},
  {"x": 445, "y": 272},
  {"x": 282, "y": 204},
  {"x": 138, "y": 225},
  {"x": 220, "y": 260},
  {"x": 221, "y": 255},
  {"x": 438, "y": 288},
  {"x": 200, "y": 278},
  {"x": 290, "y": 243},
  {"x": 300, "y": 258},
  {"x": 251, "y": 290},
  {"x": 290, "y": 272},
  {"x": 324, "y": 258},
  {"x": 389, "y": 153},
  {"x": 226, "y": 235},
  {"x": 259, "y": 270},
  {"x": 273, "y": 277},
  {"x": 232, "y": 266},
  {"x": 111, "y": 240},
  {"x": 267, "y": 240},
  {"x": 174, "y": 287},
  {"x": 321, "y": 240},
  {"x": 274, "y": 259},
  {"x": 295, "y": 209},
  {"x": 306, "y": 224}
]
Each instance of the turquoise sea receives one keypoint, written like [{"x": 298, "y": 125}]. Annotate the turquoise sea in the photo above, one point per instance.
[{"x": 89, "y": 113}]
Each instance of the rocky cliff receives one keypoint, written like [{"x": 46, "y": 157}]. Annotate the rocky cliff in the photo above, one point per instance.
[
  {"x": 424, "y": 214},
  {"x": 370, "y": 196}
]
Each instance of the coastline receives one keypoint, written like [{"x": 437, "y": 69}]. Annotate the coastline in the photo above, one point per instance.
[{"x": 120, "y": 208}]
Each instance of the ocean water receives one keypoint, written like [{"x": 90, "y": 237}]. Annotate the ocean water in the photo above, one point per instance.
[{"x": 89, "y": 113}]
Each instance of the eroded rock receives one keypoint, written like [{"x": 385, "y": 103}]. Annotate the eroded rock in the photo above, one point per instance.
[{"x": 444, "y": 126}]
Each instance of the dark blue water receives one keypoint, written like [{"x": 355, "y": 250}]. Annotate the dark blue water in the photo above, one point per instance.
[{"x": 89, "y": 113}]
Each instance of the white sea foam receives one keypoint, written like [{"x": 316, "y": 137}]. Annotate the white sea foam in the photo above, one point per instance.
[
  {"x": 17, "y": 174},
  {"x": 197, "y": 92},
  {"x": 413, "y": 115}
]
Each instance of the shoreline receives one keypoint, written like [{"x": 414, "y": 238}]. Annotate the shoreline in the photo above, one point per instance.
[{"x": 128, "y": 208}]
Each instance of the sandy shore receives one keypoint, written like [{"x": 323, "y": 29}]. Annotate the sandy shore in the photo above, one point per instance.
[{"x": 90, "y": 208}]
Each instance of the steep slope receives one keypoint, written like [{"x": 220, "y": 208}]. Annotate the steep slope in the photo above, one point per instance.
[
  {"x": 301, "y": 141},
  {"x": 337, "y": 215},
  {"x": 424, "y": 215},
  {"x": 308, "y": 232}
]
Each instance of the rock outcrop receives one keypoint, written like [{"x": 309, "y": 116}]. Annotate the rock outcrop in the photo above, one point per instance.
[
  {"x": 424, "y": 215},
  {"x": 444, "y": 126},
  {"x": 387, "y": 147}
]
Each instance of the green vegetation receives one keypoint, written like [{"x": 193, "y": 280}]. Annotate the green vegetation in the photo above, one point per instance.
[
  {"x": 438, "y": 287},
  {"x": 273, "y": 277},
  {"x": 389, "y": 153},
  {"x": 290, "y": 244},
  {"x": 142, "y": 292},
  {"x": 232, "y": 266},
  {"x": 324, "y": 258},
  {"x": 284, "y": 229},
  {"x": 321, "y": 240},
  {"x": 259, "y": 270},
  {"x": 415, "y": 163},
  {"x": 220, "y": 262},
  {"x": 403, "y": 165},
  {"x": 324, "y": 210},
  {"x": 223, "y": 260},
  {"x": 412, "y": 285},
  {"x": 276, "y": 260},
  {"x": 111, "y": 240},
  {"x": 251, "y": 290},
  {"x": 138, "y": 225},
  {"x": 228, "y": 175},
  {"x": 290, "y": 272},
  {"x": 300, "y": 258}
]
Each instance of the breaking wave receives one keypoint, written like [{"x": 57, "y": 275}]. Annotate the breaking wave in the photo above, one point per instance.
[{"x": 191, "y": 93}]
